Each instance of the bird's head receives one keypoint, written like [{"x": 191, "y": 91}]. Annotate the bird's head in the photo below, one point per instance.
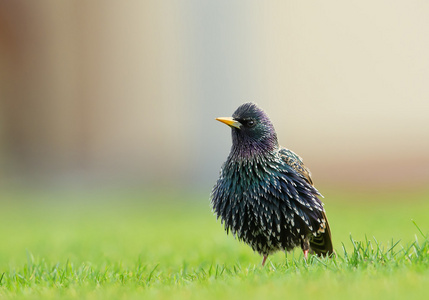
[{"x": 252, "y": 130}]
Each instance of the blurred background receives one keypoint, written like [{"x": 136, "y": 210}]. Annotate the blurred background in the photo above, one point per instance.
[{"x": 125, "y": 93}]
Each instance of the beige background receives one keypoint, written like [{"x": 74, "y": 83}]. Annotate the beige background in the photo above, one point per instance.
[{"x": 127, "y": 91}]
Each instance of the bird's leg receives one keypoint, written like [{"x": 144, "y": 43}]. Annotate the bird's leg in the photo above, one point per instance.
[
  {"x": 305, "y": 246},
  {"x": 264, "y": 259},
  {"x": 305, "y": 254}
]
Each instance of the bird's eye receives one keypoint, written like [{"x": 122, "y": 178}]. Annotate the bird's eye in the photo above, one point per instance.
[{"x": 250, "y": 123}]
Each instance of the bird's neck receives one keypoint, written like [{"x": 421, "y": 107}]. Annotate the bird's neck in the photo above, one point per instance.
[{"x": 248, "y": 150}]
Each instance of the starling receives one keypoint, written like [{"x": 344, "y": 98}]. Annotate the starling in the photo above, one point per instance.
[{"x": 264, "y": 195}]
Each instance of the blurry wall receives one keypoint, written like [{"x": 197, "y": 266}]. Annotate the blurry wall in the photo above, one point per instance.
[{"x": 109, "y": 91}]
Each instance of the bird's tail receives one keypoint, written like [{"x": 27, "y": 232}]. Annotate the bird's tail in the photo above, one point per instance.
[{"x": 321, "y": 244}]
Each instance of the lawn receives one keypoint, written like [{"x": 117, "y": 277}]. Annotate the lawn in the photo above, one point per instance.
[{"x": 123, "y": 244}]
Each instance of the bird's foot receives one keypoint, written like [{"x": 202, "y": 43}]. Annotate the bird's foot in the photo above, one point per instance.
[{"x": 264, "y": 259}]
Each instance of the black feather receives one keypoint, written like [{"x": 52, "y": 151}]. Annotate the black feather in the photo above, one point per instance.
[{"x": 264, "y": 195}]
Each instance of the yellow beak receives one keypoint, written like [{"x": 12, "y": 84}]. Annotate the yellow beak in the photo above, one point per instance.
[{"x": 230, "y": 122}]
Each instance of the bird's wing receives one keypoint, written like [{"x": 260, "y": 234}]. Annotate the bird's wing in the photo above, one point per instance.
[
  {"x": 321, "y": 243},
  {"x": 295, "y": 161}
]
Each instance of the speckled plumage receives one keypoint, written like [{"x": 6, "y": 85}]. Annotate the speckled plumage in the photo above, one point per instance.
[{"x": 264, "y": 195}]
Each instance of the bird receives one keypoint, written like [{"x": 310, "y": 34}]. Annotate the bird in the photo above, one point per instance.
[{"x": 265, "y": 195}]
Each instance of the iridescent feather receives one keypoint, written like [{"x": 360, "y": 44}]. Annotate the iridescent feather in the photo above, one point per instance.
[{"x": 264, "y": 195}]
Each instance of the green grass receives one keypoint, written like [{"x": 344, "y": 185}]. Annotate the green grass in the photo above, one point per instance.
[{"x": 122, "y": 245}]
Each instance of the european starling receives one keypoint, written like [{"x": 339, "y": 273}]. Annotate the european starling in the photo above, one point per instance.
[{"x": 264, "y": 195}]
